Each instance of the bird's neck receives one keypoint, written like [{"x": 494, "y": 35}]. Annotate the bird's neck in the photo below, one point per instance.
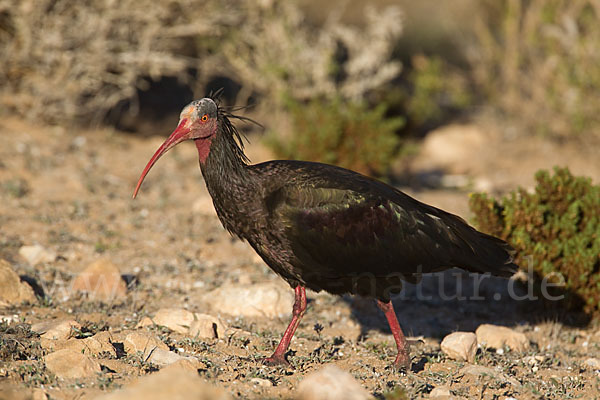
[
  {"x": 228, "y": 179},
  {"x": 221, "y": 160}
]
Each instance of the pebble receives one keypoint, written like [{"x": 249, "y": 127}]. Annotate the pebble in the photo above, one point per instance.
[
  {"x": 101, "y": 280},
  {"x": 593, "y": 363},
  {"x": 269, "y": 300},
  {"x": 71, "y": 364},
  {"x": 12, "y": 290},
  {"x": 36, "y": 254},
  {"x": 499, "y": 337},
  {"x": 331, "y": 383},
  {"x": 460, "y": 346},
  {"x": 9, "y": 319},
  {"x": 187, "y": 364},
  {"x": 144, "y": 322},
  {"x": 441, "y": 393},
  {"x": 162, "y": 357},
  {"x": 173, "y": 384},
  {"x": 261, "y": 382}
]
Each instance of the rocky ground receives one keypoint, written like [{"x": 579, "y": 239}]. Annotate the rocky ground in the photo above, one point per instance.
[{"x": 102, "y": 296}]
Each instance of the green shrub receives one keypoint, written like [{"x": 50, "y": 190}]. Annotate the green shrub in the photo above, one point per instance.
[
  {"x": 348, "y": 134},
  {"x": 558, "y": 226},
  {"x": 437, "y": 91},
  {"x": 537, "y": 61}
]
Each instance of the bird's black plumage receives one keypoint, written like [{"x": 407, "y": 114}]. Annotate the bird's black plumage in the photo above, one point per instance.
[{"x": 328, "y": 228}]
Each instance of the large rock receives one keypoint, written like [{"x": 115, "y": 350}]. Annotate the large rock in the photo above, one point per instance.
[
  {"x": 498, "y": 337},
  {"x": 101, "y": 280},
  {"x": 460, "y": 346},
  {"x": 173, "y": 384},
  {"x": 331, "y": 383},
  {"x": 100, "y": 343},
  {"x": 36, "y": 254},
  {"x": 142, "y": 342},
  {"x": 71, "y": 364},
  {"x": 12, "y": 290},
  {"x": 261, "y": 300},
  {"x": 207, "y": 326},
  {"x": 176, "y": 319},
  {"x": 56, "y": 329}
]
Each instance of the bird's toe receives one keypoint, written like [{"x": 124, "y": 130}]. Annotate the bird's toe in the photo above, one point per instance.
[
  {"x": 402, "y": 362},
  {"x": 276, "y": 360}
]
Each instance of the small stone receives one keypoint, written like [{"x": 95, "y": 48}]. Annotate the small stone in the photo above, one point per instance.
[
  {"x": 9, "y": 319},
  {"x": 176, "y": 319},
  {"x": 12, "y": 290},
  {"x": 39, "y": 394},
  {"x": 207, "y": 326},
  {"x": 269, "y": 300},
  {"x": 460, "y": 346},
  {"x": 261, "y": 382},
  {"x": 498, "y": 337},
  {"x": 593, "y": 363},
  {"x": 101, "y": 280},
  {"x": 441, "y": 393},
  {"x": 330, "y": 383},
  {"x": 142, "y": 342},
  {"x": 70, "y": 364},
  {"x": 36, "y": 254},
  {"x": 57, "y": 329},
  {"x": 172, "y": 384},
  {"x": 144, "y": 322},
  {"x": 186, "y": 364},
  {"x": 163, "y": 357}
]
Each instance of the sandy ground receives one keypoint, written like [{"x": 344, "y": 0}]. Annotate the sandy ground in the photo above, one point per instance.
[{"x": 70, "y": 192}]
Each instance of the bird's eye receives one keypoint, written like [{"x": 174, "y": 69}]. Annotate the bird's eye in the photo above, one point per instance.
[{"x": 204, "y": 118}]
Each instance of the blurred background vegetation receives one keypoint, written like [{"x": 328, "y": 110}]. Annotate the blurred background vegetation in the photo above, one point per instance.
[{"x": 128, "y": 64}]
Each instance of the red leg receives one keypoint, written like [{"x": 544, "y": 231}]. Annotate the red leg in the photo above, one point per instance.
[
  {"x": 278, "y": 356},
  {"x": 403, "y": 357}
]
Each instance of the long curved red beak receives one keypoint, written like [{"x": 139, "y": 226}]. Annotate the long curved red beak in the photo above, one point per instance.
[{"x": 178, "y": 136}]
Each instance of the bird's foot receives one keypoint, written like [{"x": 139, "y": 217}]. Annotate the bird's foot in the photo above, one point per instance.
[
  {"x": 276, "y": 360},
  {"x": 402, "y": 362}
]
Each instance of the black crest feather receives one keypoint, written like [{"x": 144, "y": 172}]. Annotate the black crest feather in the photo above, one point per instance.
[{"x": 227, "y": 128}]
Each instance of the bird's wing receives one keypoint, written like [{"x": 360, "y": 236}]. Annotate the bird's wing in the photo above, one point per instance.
[
  {"x": 339, "y": 224},
  {"x": 338, "y": 231}
]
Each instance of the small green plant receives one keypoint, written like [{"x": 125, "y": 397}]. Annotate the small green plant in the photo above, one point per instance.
[
  {"x": 557, "y": 225},
  {"x": 348, "y": 134},
  {"x": 437, "y": 91},
  {"x": 16, "y": 188}
]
